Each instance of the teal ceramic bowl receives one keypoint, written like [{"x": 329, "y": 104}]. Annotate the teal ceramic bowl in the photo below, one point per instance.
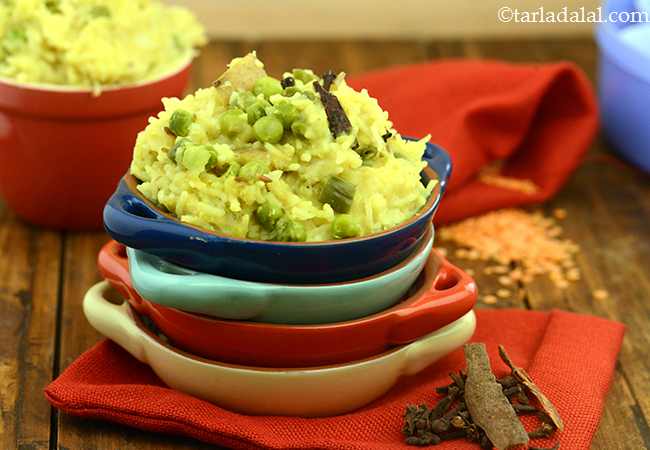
[{"x": 167, "y": 284}]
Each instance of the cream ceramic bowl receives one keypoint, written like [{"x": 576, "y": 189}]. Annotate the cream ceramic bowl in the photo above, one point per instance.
[{"x": 307, "y": 392}]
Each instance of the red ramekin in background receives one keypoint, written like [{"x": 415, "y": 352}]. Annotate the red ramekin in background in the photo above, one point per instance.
[{"x": 63, "y": 149}]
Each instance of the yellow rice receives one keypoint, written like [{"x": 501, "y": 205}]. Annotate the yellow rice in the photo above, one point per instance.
[
  {"x": 388, "y": 191},
  {"x": 94, "y": 43}
]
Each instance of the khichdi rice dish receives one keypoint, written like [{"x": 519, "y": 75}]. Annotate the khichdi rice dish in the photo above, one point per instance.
[
  {"x": 94, "y": 43},
  {"x": 304, "y": 158}
]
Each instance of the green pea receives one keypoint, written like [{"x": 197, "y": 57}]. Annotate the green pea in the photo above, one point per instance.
[
  {"x": 176, "y": 152},
  {"x": 268, "y": 129},
  {"x": 233, "y": 122},
  {"x": 252, "y": 169},
  {"x": 14, "y": 39},
  {"x": 304, "y": 75},
  {"x": 339, "y": 194},
  {"x": 255, "y": 111},
  {"x": 345, "y": 226},
  {"x": 196, "y": 157},
  {"x": 287, "y": 230},
  {"x": 287, "y": 113},
  {"x": 268, "y": 214},
  {"x": 180, "y": 122},
  {"x": 214, "y": 157},
  {"x": 299, "y": 128},
  {"x": 267, "y": 86}
]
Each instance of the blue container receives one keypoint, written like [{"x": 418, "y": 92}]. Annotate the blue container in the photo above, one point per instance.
[
  {"x": 624, "y": 87},
  {"x": 135, "y": 222}
]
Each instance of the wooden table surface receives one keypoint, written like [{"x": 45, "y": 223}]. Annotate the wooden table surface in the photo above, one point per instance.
[{"x": 44, "y": 274}]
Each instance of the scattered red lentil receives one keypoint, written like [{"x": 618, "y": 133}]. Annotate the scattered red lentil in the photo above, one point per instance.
[
  {"x": 491, "y": 174},
  {"x": 573, "y": 274},
  {"x": 490, "y": 299},
  {"x": 559, "y": 213},
  {"x": 513, "y": 236},
  {"x": 600, "y": 294},
  {"x": 503, "y": 293}
]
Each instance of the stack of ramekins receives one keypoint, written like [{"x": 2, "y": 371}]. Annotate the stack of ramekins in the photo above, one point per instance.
[{"x": 309, "y": 329}]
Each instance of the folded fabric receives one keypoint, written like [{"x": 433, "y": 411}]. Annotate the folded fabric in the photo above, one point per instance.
[
  {"x": 537, "y": 121},
  {"x": 570, "y": 356}
]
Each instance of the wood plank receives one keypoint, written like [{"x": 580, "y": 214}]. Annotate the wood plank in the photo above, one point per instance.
[
  {"x": 617, "y": 428},
  {"x": 29, "y": 280}
]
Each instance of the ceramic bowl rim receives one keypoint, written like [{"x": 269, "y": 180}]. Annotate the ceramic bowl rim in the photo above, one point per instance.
[
  {"x": 72, "y": 89},
  {"x": 135, "y": 317},
  {"x": 433, "y": 201},
  {"x": 104, "y": 287},
  {"x": 429, "y": 272},
  {"x": 138, "y": 321},
  {"x": 427, "y": 237}
]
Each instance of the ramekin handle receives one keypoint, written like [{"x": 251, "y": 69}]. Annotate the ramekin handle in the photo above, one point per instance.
[
  {"x": 426, "y": 351},
  {"x": 113, "y": 321},
  {"x": 126, "y": 215},
  {"x": 452, "y": 294},
  {"x": 178, "y": 287}
]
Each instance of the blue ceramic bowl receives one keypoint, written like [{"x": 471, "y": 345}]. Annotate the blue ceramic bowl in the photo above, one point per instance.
[
  {"x": 169, "y": 285},
  {"x": 624, "y": 86},
  {"x": 135, "y": 222}
]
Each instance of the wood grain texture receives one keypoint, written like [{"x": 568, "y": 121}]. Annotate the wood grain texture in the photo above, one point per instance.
[
  {"x": 44, "y": 274},
  {"x": 29, "y": 281}
]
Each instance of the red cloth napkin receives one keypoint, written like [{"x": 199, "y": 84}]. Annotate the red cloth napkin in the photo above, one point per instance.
[
  {"x": 538, "y": 119},
  {"x": 570, "y": 356}
]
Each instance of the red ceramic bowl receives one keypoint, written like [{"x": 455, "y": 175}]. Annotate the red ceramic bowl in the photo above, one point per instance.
[
  {"x": 63, "y": 149},
  {"x": 442, "y": 294}
]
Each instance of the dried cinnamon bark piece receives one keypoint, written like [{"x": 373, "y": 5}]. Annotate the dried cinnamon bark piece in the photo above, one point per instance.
[
  {"x": 328, "y": 79},
  {"x": 522, "y": 377},
  {"x": 338, "y": 121},
  {"x": 487, "y": 405}
]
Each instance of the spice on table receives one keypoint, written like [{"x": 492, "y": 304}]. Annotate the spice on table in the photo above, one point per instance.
[
  {"x": 522, "y": 376},
  {"x": 487, "y": 404},
  {"x": 471, "y": 397}
]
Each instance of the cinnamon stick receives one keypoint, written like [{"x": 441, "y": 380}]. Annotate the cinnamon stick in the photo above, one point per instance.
[
  {"x": 522, "y": 376},
  {"x": 489, "y": 408}
]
